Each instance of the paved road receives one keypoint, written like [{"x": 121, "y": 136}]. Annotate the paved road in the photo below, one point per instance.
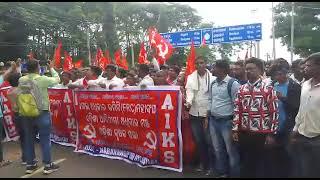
[{"x": 81, "y": 165}]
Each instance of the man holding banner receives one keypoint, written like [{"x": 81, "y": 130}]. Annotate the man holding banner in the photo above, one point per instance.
[{"x": 2, "y": 79}]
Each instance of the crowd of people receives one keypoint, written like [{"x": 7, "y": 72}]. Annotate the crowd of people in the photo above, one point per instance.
[{"x": 246, "y": 120}]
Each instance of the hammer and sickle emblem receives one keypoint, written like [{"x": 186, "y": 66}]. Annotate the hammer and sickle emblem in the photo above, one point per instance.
[
  {"x": 152, "y": 138},
  {"x": 162, "y": 52},
  {"x": 91, "y": 132}
]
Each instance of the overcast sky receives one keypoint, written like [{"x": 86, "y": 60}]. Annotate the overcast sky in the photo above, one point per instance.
[{"x": 237, "y": 13}]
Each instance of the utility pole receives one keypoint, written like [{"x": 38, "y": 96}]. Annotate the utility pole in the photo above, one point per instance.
[
  {"x": 273, "y": 36},
  {"x": 292, "y": 30},
  {"x": 258, "y": 49}
]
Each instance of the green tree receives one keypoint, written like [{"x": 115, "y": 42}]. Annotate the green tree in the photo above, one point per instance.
[{"x": 306, "y": 26}]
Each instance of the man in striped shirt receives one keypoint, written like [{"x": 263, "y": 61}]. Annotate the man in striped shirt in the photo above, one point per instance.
[{"x": 256, "y": 119}]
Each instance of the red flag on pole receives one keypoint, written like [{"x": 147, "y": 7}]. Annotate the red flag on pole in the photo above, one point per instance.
[
  {"x": 143, "y": 55},
  {"x": 78, "y": 64},
  {"x": 117, "y": 57},
  {"x": 98, "y": 56},
  {"x": 164, "y": 49},
  {"x": 191, "y": 64},
  {"x": 108, "y": 58},
  {"x": 57, "y": 55},
  {"x": 124, "y": 63},
  {"x": 67, "y": 66},
  {"x": 103, "y": 63},
  {"x": 121, "y": 60}
]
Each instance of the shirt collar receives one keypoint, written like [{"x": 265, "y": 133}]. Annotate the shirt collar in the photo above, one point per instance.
[
  {"x": 225, "y": 80},
  {"x": 317, "y": 85},
  {"x": 257, "y": 83}
]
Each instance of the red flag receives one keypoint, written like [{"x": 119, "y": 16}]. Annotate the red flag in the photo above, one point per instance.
[
  {"x": 117, "y": 57},
  {"x": 67, "y": 66},
  {"x": 78, "y": 64},
  {"x": 108, "y": 59},
  {"x": 191, "y": 64},
  {"x": 143, "y": 55},
  {"x": 121, "y": 60},
  {"x": 164, "y": 49},
  {"x": 124, "y": 63},
  {"x": 99, "y": 55},
  {"x": 57, "y": 55},
  {"x": 30, "y": 55},
  {"x": 103, "y": 63}
]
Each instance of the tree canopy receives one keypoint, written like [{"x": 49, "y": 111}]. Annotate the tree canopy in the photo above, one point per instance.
[
  {"x": 37, "y": 27},
  {"x": 306, "y": 26}
]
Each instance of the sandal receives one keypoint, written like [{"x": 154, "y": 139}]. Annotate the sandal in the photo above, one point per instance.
[{"x": 5, "y": 163}]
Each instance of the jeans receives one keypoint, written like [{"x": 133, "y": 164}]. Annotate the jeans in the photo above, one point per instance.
[
  {"x": 1, "y": 148},
  {"x": 203, "y": 142},
  {"x": 18, "y": 124},
  {"x": 43, "y": 124},
  {"x": 224, "y": 146},
  {"x": 306, "y": 152}
]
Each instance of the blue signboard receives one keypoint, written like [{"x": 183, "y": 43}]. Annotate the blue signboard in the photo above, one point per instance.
[
  {"x": 247, "y": 32},
  {"x": 180, "y": 39}
]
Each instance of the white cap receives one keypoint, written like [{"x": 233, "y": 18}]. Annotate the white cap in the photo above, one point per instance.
[{"x": 1, "y": 64}]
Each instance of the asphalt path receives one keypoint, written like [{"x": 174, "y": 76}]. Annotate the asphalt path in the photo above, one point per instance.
[{"x": 73, "y": 165}]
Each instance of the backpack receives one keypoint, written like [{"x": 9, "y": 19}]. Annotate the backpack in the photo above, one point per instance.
[
  {"x": 29, "y": 99},
  {"x": 229, "y": 86}
]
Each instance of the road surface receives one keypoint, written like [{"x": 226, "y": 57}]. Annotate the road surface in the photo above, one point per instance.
[{"x": 74, "y": 165}]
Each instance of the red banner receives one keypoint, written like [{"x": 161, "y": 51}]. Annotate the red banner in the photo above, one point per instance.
[
  {"x": 64, "y": 124},
  {"x": 8, "y": 116},
  {"x": 140, "y": 127}
]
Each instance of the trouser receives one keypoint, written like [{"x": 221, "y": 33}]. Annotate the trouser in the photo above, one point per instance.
[
  {"x": 224, "y": 146},
  {"x": 43, "y": 124},
  {"x": 278, "y": 161},
  {"x": 1, "y": 138},
  {"x": 306, "y": 156},
  {"x": 252, "y": 154},
  {"x": 18, "y": 124},
  {"x": 203, "y": 141}
]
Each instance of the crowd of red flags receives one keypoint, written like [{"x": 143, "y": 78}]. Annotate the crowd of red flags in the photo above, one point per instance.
[{"x": 163, "y": 50}]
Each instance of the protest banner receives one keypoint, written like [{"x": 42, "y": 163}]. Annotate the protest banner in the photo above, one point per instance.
[
  {"x": 138, "y": 126},
  {"x": 64, "y": 124},
  {"x": 8, "y": 116}
]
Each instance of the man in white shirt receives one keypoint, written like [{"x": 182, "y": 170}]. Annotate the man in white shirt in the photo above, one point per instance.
[
  {"x": 92, "y": 74},
  {"x": 197, "y": 99},
  {"x": 143, "y": 72},
  {"x": 65, "y": 80},
  {"x": 305, "y": 137},
  {"x": 111, "y": 82}
]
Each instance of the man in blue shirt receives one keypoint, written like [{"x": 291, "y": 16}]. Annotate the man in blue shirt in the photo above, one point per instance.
[
  {"x": 288, "y": 92},
  {"x": 222, "y": 94}
]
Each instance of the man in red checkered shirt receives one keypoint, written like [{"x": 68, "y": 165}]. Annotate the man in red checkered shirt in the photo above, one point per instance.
[{"x": 256, "y": 119}]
